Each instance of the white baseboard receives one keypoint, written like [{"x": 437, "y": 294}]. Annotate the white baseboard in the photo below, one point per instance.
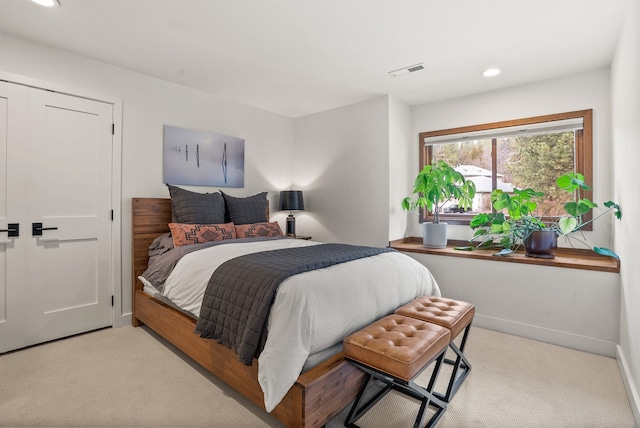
[
  {"x": 547, "y": 335},
  {"x": 629, "y": 385}
]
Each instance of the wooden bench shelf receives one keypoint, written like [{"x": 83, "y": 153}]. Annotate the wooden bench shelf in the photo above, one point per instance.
[{"x": 565, "y": 257}]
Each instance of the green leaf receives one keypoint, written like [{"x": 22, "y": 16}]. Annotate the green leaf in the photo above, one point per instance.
[
  {"x": 485, "y": 244},
  {"x": 612, "y": 205},
  {"x": 501, "y": 202},
  {"x": 531, "y": 206},
  {"x": 504, "y": 252},
  {"x": 577, "y": 176},
  {"x": 572, "y": 181},
  {"x": 571, "y": 208},
  {"x": 606, "y": 252},
  {"x": 581, "y": 184},
  {"x": 406, "y": 204},
  {"x": 480, "y": 232},
  {"x": 467, "y": 248},
  {"x": 498, "y": 228},
  {"x": 564, "y": 182},
  {"x": 506, "y": 242},
  {"x": 529, "y": 193},
  {"x": 567, "y": 224},
  {"x": 588, "y": 203},
  {"x": 479, "y": 220},
  {"x": 583, "y": 206}
]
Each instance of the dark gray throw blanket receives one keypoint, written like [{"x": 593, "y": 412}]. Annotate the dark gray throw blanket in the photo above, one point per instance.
[{"x": 241, "y": 291}]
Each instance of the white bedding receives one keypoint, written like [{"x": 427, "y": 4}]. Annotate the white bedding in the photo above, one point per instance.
[{"x": 312, "y": 311}]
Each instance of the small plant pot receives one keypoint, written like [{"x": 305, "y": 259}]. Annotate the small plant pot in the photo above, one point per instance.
[
  {"x": 541, "y": 244},
  {"x": 434, "y": 235}
]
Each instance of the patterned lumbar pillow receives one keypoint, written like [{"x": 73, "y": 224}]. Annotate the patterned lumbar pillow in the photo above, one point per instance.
[
  {"x": 257, "y": 230},
  {"x": 185, "y": 234}
]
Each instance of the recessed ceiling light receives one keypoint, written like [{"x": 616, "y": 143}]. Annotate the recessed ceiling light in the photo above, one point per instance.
[
  {"x": 405, "y": 70},
  {"x": 47, "y": 3},
  {"x": 491, "y": 72}
]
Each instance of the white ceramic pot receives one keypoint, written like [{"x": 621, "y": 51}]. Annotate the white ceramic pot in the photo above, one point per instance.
[{"x": 434, "y": 235}]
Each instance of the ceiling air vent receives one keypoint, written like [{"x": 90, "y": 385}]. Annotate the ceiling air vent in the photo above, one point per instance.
[{"x": 409, "y": 69}]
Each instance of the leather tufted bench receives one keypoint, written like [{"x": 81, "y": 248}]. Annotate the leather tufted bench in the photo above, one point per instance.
[
  {"x": 456, "y": 316},
  {"x": 395, "y": 350}
]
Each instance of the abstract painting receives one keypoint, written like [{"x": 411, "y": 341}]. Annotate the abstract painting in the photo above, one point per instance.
[{"x": 202, "y": 158}]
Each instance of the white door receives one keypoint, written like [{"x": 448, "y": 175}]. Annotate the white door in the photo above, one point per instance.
[
  {"x": 65, "y": 287},
  {"x": 12, "y": 211}
]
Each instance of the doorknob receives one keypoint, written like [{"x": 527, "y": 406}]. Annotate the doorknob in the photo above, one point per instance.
[
  {"x": 13, "y": 230},
  {"x": 36, "y": 229}
]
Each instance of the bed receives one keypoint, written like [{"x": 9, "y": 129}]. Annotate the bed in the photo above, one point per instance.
[{"x": 317, "y": 394}]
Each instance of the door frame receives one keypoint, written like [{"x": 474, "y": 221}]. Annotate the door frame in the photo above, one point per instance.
[{"x": 118, "y": 318}]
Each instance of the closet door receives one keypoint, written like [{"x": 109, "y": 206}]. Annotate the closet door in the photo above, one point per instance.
[
  {"x": 55, "y": 183},
  {"x": 68, "y": 204},
  {"x": 12, "y": 211}
]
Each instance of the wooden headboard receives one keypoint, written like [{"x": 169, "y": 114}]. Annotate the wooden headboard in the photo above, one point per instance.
[{"x": 151, "y": 218}]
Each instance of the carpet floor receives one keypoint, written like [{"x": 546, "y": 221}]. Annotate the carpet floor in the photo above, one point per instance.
[{"x": 129, "y": 377}]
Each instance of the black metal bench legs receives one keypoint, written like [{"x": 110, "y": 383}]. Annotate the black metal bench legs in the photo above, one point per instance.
[{"x": 426, "y": 395}]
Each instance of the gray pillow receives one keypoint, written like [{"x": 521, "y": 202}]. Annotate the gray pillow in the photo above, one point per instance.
[
  {"x": 248, "y": 210},
  {"x": 161, "y": 244},
  {"x": 196, "y": 208}
]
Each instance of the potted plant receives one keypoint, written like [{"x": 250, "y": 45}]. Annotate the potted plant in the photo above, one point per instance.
[
  {"x": 571, "y": 223},
  {"x": 521, "y": 227},
  {"x": 434, "y": 186},
  {"x": 518, "y": 227}
]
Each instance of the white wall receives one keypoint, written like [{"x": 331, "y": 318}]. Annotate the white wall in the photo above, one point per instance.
[
  {"x": 575, "y": 308},
  {"x": 341, "y": 163},
  {"x": 625, "y": 78},
  {"x": 588, "y": 90},
  {"x": 401, "y": 149},
  {"x": 148, "y": 104}
]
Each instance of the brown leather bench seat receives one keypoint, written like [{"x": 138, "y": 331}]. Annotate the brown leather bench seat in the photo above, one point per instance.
[
  {"x": 454, "y": 315},
  {"x": 395, "y": 350},
  {"x": 397, "y": 345}
]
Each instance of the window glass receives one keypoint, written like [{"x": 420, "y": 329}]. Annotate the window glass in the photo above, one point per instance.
[
  {"x": 536, "y": 161},
  {"x": 523, "y": 153}
]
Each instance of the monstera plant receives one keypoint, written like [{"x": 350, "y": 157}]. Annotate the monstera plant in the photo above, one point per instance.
[{"x": 513, "y": 223}]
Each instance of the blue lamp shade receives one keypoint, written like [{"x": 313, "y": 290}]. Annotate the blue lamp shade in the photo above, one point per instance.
[{"x": 291, "y": 200}]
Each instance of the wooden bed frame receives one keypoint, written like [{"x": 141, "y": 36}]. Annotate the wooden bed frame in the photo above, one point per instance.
[{"x": 316, "y": 397}]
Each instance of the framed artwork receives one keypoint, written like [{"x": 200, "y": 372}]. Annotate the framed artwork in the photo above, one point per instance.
[{"x": 202, "y": 158}]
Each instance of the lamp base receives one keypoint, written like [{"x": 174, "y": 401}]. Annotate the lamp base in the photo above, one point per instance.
[{"x": 291, "y": 225}]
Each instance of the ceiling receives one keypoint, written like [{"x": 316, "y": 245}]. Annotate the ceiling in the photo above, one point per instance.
[{"x": 297, "y": 57}]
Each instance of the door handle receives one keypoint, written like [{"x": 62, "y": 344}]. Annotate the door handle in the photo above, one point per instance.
[
  {"x": 13, "y": 230},
  {"x": 36, "y": 229}
]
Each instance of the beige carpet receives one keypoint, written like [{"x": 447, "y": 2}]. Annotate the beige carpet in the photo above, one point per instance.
[{"x": 128, "y": 377}]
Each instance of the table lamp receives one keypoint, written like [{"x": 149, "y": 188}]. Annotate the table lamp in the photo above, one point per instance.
[{"x": 291, "y": 200}]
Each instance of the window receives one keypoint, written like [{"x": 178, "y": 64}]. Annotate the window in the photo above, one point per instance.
[{"x": 530, "y": 152}]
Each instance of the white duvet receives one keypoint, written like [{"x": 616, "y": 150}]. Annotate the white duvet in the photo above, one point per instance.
[{"x": 312, "y": 311}]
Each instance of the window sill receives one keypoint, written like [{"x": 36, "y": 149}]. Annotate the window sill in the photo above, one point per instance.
[{"x": 565, "y": 257}]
